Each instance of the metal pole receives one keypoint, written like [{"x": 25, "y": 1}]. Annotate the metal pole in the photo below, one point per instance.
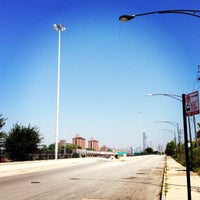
[
  {"x": 179, "y": 139},
  {"x": 195, "y": 130},
  {"x": 191, "y": 145},
  {"x": 186, "y": 149},
  {"x": 58, "y": 28},
  {"x": 58, "y": 98}
]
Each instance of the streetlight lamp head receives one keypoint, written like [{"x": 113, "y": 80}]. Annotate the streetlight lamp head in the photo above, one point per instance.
[
  {"x": 59, "y": 27},
  {"x": 149, "y": 95},
  {"x": 125, "y": 18}
]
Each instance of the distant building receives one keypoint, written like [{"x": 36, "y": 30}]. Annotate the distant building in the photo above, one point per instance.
[
  {"x": 62, "y": 142},
  {"x": 144, "y": 140},
  {"x": 79, "y": 141},
  {"x": 160, "y": 148},
  {"x": 93, "y": 144},
  {"x": 103, "y": 148}
]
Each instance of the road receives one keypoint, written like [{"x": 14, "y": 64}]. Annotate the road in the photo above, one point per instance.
[{"x": 137, "y": 178}]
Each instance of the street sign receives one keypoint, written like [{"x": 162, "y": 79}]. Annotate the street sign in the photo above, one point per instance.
[
  {"x": 121, "y": 153},
  {"x": 192, "y": 103}
]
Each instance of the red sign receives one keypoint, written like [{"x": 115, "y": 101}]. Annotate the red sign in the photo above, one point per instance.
[{"x": 192, "y": 103}]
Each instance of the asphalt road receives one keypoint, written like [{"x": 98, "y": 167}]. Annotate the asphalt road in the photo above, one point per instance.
[{"x": 137, "y": 178}]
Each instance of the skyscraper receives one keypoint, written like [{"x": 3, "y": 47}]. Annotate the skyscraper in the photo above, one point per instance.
[{"x": 144, "y": 140}]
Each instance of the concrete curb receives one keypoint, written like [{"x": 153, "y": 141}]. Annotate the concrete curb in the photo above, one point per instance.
[{"x": 163, "y": 180}]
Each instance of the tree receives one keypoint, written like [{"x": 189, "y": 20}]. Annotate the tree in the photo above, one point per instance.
[
  {"x": 149, "y": 150},
  {"x": 51, "y": 148},
  {"x": 21, "y": 142},
  {"x": 2, "y": 123},
  {"x": 2, "y": 135},
  {"x": 70, "y": 147},
  {"x": 171, "y": 149}
]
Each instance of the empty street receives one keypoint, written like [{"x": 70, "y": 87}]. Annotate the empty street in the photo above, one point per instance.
[{"x": 137, "y": 178}]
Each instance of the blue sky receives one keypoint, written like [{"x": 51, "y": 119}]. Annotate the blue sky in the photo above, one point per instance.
[{"x": 107, "y": 67}]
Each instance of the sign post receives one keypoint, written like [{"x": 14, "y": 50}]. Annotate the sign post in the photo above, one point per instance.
[
  {"x": 186, "y": 147},
  {"x": 190, "y": 103}
]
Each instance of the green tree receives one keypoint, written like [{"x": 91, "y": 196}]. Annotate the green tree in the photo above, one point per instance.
[
  {"x": 149, "y": 150},
  {"x": 171, "y": 149},
  {"x": 51, "y": 148},
  {"x": 70, "y": 147},
  {"x": 109, "y": 149},
  {"x": 2, "y": 135},
  {"x": 21, "y": 142},
  {"x": 2, "y": 122}
]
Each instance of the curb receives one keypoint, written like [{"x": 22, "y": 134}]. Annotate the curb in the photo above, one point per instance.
[{"x": 163, "y": 180}]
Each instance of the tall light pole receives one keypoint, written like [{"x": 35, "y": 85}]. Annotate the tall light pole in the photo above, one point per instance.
[{"x": 59, "y": 28}]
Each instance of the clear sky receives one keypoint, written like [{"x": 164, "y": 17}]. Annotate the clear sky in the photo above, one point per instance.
[{"x": 107, "y": 67}]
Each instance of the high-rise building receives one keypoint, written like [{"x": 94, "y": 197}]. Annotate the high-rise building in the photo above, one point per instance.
[
  {"x": 79, "y": 141},
  {"x": 144, "y": 140},
  {"x": 93, "y": 144}
]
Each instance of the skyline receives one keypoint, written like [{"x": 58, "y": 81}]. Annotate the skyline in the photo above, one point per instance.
[{"x": 107, "y": 68}]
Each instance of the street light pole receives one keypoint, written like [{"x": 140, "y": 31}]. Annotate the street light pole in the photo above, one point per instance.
[
  {"x": 59, "y": 28},
  {"x": 194, "y": 13},
  {"x": 173, "y": 96}
]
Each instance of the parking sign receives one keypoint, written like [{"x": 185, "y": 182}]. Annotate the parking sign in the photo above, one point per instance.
[{"x": 192, "y": 103}]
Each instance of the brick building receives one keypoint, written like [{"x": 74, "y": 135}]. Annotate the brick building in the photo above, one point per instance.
[
  {"x": 79, "y": 141},
  {"x": 103, "y": 148},
  {"x": 62, "y": 142},
  {"x": 93, "y": 144}
]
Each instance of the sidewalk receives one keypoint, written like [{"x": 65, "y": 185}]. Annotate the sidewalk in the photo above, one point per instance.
[{"x": 175, "y": 182}]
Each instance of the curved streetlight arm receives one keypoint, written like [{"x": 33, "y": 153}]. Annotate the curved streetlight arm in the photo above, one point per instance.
[
  {"x": 173, "y": 124},
  {"x": 194, "y": 13},
  {"x": 173, "y": 96},
  {"x": 167, "y": 130},
  {"x": 168, "y": 122}
]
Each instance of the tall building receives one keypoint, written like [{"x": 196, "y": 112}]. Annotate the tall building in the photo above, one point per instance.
[
  {"x": 93, "y": 144},
  {"x": 79, "y": 141},
  {"x": 144, "y": 140}
]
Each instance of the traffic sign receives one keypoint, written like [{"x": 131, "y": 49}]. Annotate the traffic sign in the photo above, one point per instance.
[{"x": 192, "y": 103}]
